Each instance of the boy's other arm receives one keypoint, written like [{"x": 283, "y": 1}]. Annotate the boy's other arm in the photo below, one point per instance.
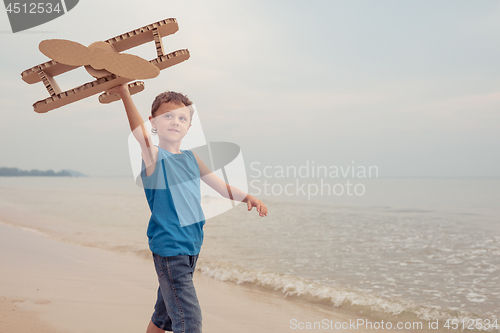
[
  {"x": 149, "y": 151},
  {"x": 229, "y": 191}
]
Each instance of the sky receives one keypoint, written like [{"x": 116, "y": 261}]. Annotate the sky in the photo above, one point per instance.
[{"x": 411, "y": 87}]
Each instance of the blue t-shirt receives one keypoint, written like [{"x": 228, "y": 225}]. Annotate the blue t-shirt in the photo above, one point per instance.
[{"x": 174, "y": 197}]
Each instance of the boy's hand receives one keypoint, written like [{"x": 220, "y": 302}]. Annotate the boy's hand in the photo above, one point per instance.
[
  {"x": 254, "y": 202},
  {"x": 119, "y": 90}
]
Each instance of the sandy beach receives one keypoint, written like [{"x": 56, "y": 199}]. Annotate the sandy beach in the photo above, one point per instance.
[{"x": 51, "y": 286}]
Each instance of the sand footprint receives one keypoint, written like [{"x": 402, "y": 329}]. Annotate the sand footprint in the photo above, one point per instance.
[
  {"x": 17, "y": 300},
  {"x": 43, "y": 301}
]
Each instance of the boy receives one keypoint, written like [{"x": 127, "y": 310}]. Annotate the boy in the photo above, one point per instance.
[{"x": 175, "y": 230}]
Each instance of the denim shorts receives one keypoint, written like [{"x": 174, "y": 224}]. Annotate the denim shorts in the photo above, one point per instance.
[{"x": 177, "y": 308}]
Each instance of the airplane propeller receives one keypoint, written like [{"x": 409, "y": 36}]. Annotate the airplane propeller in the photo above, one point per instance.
[{"x": 99, "y": 56}]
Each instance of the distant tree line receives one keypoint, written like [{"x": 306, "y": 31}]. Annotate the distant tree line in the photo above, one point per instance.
[{"x": 15, "y": 172}]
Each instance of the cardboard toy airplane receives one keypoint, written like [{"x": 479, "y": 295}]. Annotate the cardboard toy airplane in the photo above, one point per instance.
[{"x": 103, "y": 61}]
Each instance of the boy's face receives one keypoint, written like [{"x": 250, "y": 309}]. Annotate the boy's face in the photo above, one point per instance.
[{"x": 172, "y": 121}]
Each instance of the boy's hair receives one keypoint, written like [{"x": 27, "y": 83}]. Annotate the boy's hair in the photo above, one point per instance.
[{"x": 170, "y": 96}]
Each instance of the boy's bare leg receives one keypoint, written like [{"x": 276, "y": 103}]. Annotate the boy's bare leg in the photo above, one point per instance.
[{"x": 153, "y": 329}]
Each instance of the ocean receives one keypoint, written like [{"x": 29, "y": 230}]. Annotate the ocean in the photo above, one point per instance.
[{"x": 429, "y": 247}]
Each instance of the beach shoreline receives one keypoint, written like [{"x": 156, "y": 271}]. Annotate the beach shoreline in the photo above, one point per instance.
[
  {"x": 72, "y": 288},
  {"x": 63, "y": 287}
]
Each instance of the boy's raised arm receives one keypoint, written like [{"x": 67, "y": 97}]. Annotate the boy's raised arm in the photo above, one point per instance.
[{"x": 136, "y": 123}]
